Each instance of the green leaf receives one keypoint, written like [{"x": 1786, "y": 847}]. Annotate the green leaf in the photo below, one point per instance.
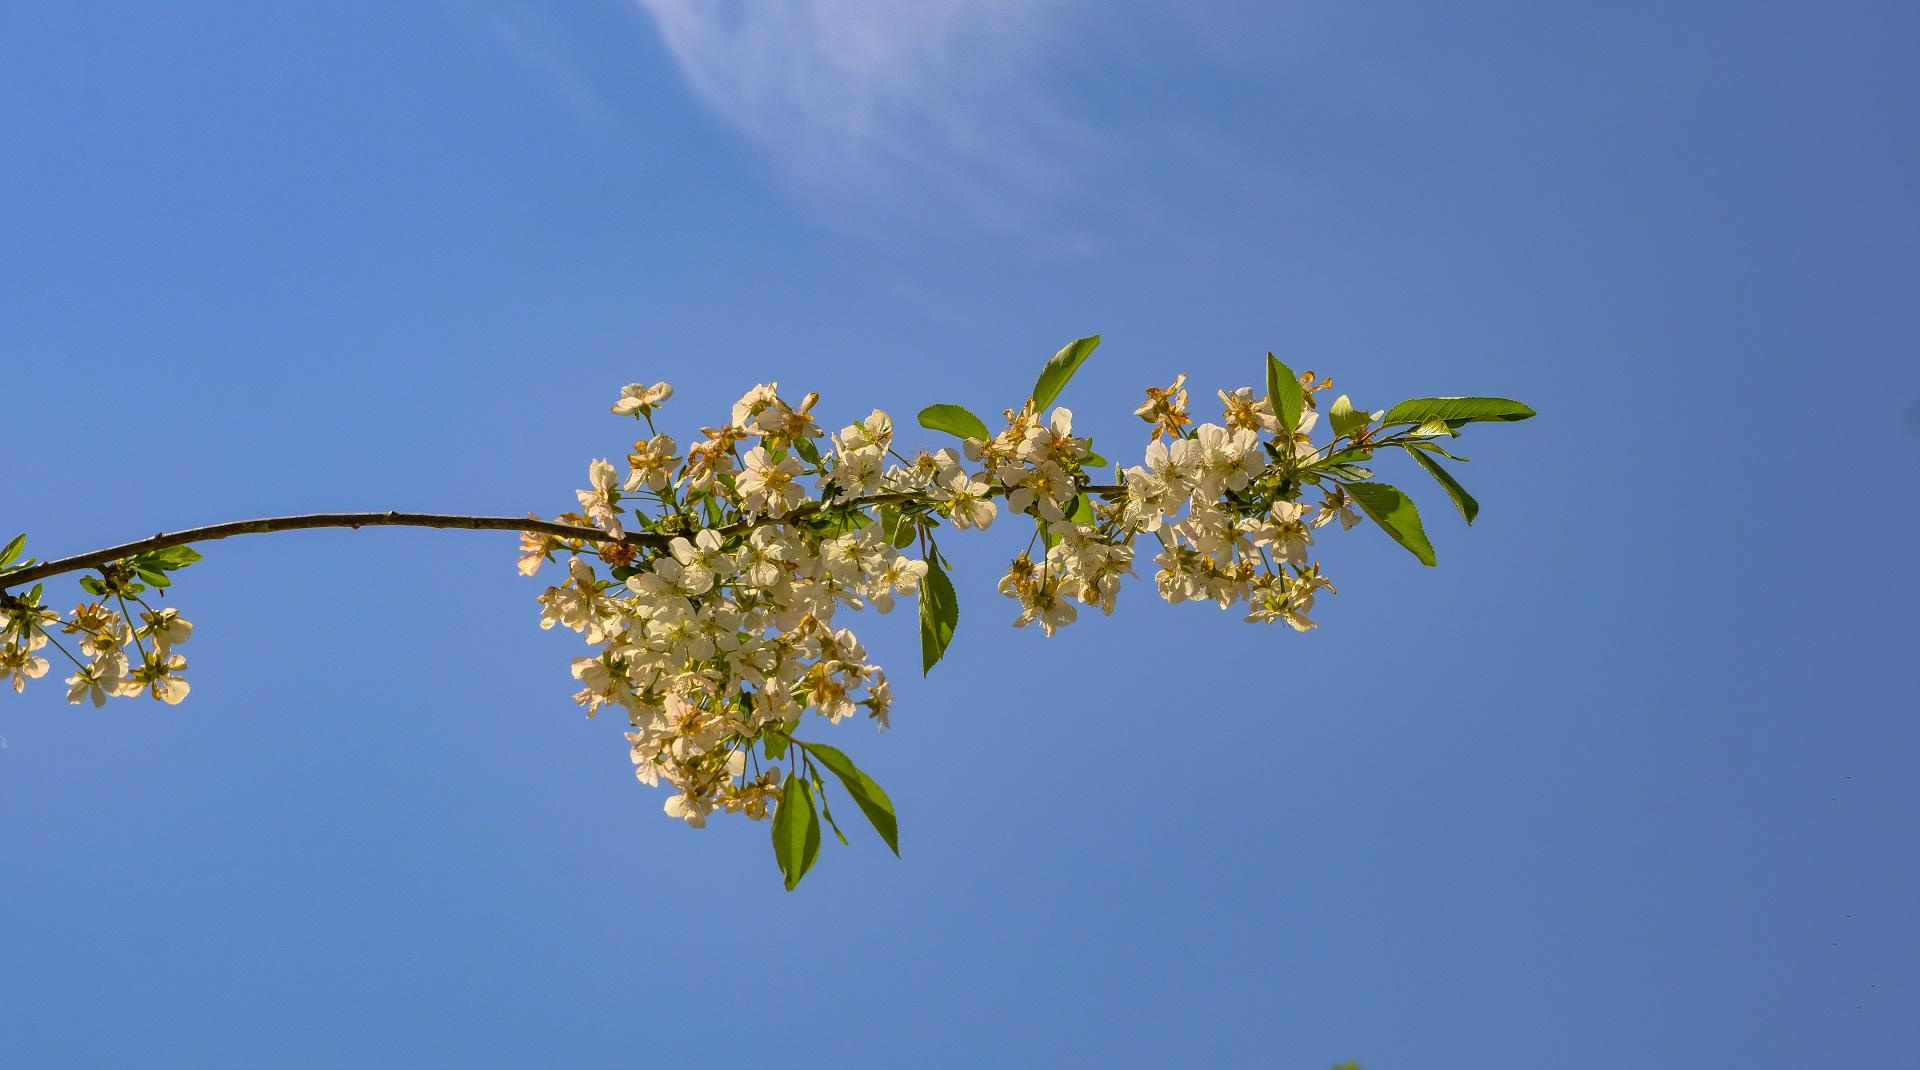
[
  {"x": 13, "y": 548},
  {"x": 954, "y": 420},
  {"x": 796, "y": 830},
  {"x": 776, "y": 746},
  {"x": 1344, "y": 418},
  {"x": 171, "y": 558},
  {"x": 1082, "y": 512},
  {"x": 869, "y": 796},
  {"x": 1456, "y": 410},
  {"x": 1432, "y": 448},
  {"x": 1053, "y": 377},
  {"x": 1395, "y": 514},
  {"x": 1461, "y": 499},
  {"x": 1283, "y": 389},
  {"x": 158, "y": 579},
  {"x": 93, "y": 585},
  {"x": 939, "y": 612},
  {"x": 838, "y": 521},
  {"x": 808, "y": 451},
  {"x": 898, "y": 529}
]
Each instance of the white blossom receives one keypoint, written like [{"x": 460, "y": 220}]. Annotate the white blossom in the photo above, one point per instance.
[
  {"x": 967, "y": 499},
  {"x": 637, "y": 399},
  {"x": 767, "y": 485},
  {"x": 19, "y": 663},
  {"x": 599, "y": 500}
]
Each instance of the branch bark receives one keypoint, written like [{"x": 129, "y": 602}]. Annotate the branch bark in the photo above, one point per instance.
[{"x": 305, "y": 521}]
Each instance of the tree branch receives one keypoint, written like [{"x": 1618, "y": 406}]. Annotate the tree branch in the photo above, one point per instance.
[
  {"x": 211, "y": 532},
  {"x": 263, "y": 525}
]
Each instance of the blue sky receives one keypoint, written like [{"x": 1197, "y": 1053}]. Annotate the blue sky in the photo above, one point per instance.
[{"x": 1626, "y": 780}]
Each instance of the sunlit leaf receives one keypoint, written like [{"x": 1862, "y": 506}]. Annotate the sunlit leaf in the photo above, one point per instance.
[
  {"x": 939, "y": 612},
  {"x": 1283, "y": 388},
  {"x": 954, "y": 420},
  {"x": 1456, "y": 410},
  {"x": 1461, "y": 499},
  {"x": 1396, "y": 515},
  {"x": 1344, "y": 418},
  {"x": 796, "y": 830},
  {"x": 869, "y": 796},
  {"x": 1060, "y": 368}
]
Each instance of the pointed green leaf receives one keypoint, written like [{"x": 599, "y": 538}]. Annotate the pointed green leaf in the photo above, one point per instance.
[
  {"x": 175, "y": 557},
  {"x": 93, "y": 585},
  {"x": 869, "y": 796},
  {"x": 1456, "y": 410},
  {"x": 13, "y": 548},
  {"x": 796, "y": 830},
  {"x": 1395, "y": 514},
  {"x": 1344, "y": 418},
  {"x": 954, "y": 420},
  {"x": 1461, "y": 499},
  {"x": 1430, "y": 447},
  {"x": 1283, "y": 389},
  {"x": 939, "y": 612},
  {"x": 1060, "y": 369}
]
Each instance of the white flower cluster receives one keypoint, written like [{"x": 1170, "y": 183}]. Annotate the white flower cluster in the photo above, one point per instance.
[
  {"x": 1237, "y": 539},
  {"x": 727, "y": 563},
  {"x": 723, "y": 635},
  {"x": 109, "y": 642}
]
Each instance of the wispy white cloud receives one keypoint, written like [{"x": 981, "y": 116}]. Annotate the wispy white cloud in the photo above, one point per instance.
[{"x": 901, "y": 105}]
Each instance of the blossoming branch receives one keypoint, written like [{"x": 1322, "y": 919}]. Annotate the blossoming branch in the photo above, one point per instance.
[{"x": 710, "y": 581}]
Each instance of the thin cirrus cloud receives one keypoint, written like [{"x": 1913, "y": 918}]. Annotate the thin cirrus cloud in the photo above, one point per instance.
[{"x": 878, "y": 104}]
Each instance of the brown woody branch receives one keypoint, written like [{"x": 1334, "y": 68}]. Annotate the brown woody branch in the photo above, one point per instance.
[{"x": 211, "y": 532}]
